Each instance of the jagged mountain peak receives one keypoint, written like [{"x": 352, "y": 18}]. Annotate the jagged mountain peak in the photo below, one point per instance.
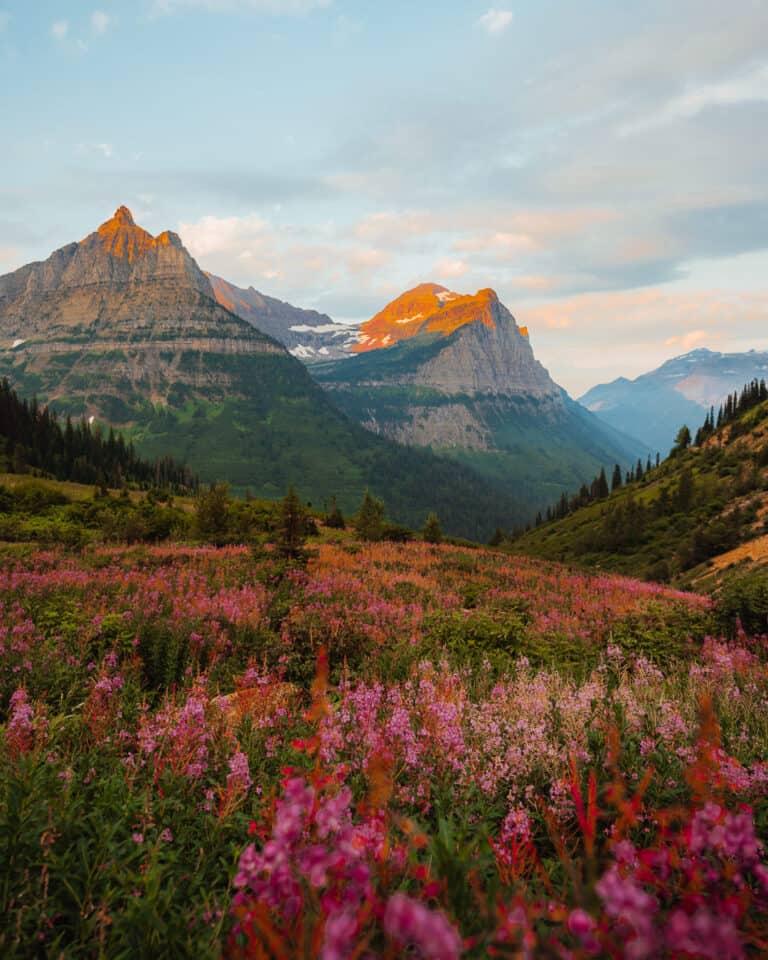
[
  {"x": 122, "y": 238},
  {"x": 429, "y": 308}
]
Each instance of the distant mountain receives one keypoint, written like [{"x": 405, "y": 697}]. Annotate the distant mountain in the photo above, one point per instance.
[
  {"x": 655, "y": 405},
  {"x": 455, "y": 373},
  {"x": 125, "y": 328},
  {"x": 308, "y": 335},
  {"x": 702, "y": 510}
]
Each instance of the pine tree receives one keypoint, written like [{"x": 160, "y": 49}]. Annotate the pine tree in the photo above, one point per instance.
[
  {"x": 293, "y": 528},
  {"x": 682, "y": 440},
  {"x": 616, "y": 480},
  {"x": 369, "y": 521},
  {"x": 335, "y": 518},
  {"x": 212, "y": 510},
  {"x": 432, "y": 532},
  {"x": 602, "y": 485}
]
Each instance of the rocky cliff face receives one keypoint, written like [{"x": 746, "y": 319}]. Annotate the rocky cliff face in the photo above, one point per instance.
[
  {"x": 115, "y": 320},
  {"x": 126, "y": 328},
  {"x": 454, "y": 372},
  {"x": 308, "y": 335}
]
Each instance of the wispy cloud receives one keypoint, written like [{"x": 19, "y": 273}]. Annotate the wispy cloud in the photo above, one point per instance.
[
  {"x": 60, "y": 29},
  {"x": 750, "y": 86},
  {"x": 105, "y": 149},
  {"x": 100, "y": 22},
  {"x": 496, "y": 21}
]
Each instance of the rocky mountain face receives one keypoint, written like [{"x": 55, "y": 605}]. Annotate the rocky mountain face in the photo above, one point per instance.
[
  {"x": 455, "y": 373},
  {"x": 126, "y": 328},
  {"x": 655, "y": 405},
  {"x": 308, "y": 335}
]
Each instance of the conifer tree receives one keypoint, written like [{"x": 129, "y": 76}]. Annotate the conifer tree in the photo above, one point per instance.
[
  {"x": 293, "y": 528},
  {"x": 335, "y": 517},
  {"x": 432, "y": 531},
  {"x": 616, "y": 480},
  {"x": 369, "y": 521}
]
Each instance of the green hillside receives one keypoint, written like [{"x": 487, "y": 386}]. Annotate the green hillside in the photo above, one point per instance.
[{"x": 701, "y": 502}]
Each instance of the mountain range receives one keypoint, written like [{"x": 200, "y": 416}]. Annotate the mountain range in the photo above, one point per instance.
[
  {"x": 455, "y": 373},
  {"x": 308, "y": 335},
  {"x": 125, "y": 328},
  {"x": 655, "y": 405}
]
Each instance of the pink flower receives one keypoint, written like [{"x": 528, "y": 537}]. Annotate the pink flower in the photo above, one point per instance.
[{"x": 411, "y": 924}]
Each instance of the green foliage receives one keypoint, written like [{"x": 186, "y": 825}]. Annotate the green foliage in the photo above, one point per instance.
[
  {"x": 743, "y": 603},
  {"x": 212, "y": 509},
  {"x": 335, "y": 518},
  {"x": 292, "y": 533},
  {"x": 369, "y": 521},
  {"x": 474, "y": 636},
  {"x": 432, "y": 531}
]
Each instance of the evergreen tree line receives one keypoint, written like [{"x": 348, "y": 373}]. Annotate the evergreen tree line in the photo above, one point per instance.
[
  {"x": 598, "y": 489},
  {"x": 737, "y": 403},
  {"x": 33, "y": 438}
]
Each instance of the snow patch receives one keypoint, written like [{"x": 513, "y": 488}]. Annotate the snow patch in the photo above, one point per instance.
[
  {"x": 386, "y": 340},
  {"x": 17, "y": 343},
  {"x": 445, "y": 295},
  {"x": 302, "y": 352},
  {"x": 321, "y": 328},
  {"x": 416, "y": 316},
  {"x": 324, "y": 351}
]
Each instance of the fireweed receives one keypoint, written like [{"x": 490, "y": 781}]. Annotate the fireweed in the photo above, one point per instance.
[{"x": 422, "y": 806}]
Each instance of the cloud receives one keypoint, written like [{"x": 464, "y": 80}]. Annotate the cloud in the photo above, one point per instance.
[
  {"x": 105, "y": 149},
  {"x": 750, "y": 86},
  {"x": 594, "y": 337},
  {"x": 100, "y": 22},
  {"x": 688, "y": 341},
  {"x": 495, "y": 21},
  {"x": 276, "y": 7},
  {"x": 60, "y": 29},
  {"x": 450, "y": 269}
]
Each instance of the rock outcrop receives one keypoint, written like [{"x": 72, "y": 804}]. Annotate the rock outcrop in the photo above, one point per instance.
[{"x": 454, "y": 372}]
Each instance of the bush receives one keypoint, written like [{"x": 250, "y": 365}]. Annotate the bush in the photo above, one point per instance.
[{"x": 744, "y": 601}]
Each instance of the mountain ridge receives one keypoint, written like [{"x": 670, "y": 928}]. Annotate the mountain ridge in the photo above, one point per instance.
[
  {"x": 656, "y": 404},
  {"x": 125, "y": 328}
]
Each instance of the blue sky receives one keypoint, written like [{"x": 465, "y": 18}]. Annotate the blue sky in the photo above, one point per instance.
[{"x": 602, "y": 165}]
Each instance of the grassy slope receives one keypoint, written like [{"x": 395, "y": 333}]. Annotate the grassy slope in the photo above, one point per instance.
[{"x": 721, "y": 471}]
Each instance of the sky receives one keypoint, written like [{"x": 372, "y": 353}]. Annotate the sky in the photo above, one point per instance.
[{"x": 603, "y": 165}]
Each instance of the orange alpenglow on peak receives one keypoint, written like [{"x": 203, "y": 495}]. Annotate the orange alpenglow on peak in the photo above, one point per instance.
[
  {"x": 428, "y": 308},
  {"x": 121, "y": 238}
]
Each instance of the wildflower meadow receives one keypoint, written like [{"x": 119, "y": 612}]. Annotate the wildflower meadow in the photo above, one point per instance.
[{"x": 393, "y": 750}]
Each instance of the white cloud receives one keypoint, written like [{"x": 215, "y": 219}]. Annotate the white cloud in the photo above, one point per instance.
[
  {"x": 690, "y": 340},
  {"x": 287, "y": 7},
  {"x": 106, "y": 149},
  {"x": 751, "y": 86},
  {"x": 60, "y": 29},
  {"x": 496, "y": 21},
  {"x": 100, "y": 21}
]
